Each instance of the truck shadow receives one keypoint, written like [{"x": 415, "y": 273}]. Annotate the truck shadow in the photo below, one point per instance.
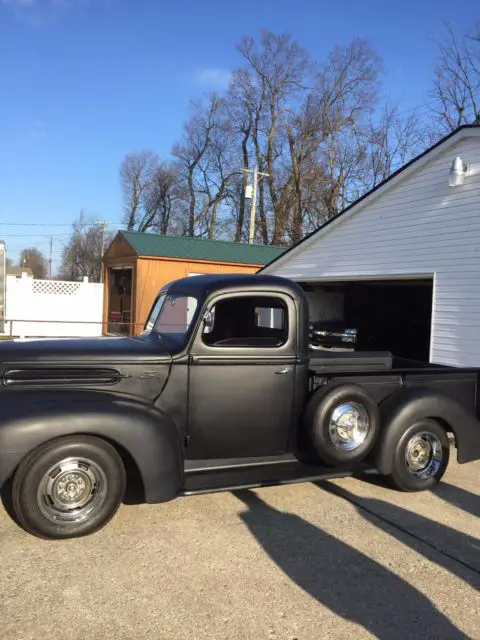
[
  {"x": 442, "y": 545},
  {"x": 456, "y": 496},
  {"x": 460, "y": 498},
  {"x": 348, "y": 582}
]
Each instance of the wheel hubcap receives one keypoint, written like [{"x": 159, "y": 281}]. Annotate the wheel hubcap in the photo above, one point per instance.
[
  {"x": 349, "y": 426},
  {"x": 72, "y": 490},
  {"x": 423, "y": 455}
]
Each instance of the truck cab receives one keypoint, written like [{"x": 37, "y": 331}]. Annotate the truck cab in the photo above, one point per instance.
[{"x": 246, "y": 345}]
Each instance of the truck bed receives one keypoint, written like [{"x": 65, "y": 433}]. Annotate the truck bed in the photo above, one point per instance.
[{"x": 336, "y": 361}]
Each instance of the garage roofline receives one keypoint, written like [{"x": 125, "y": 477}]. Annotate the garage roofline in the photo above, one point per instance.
[{"x": 465, "y": 131}]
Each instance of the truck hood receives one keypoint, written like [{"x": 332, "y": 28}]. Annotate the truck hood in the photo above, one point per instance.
[{"x": 88, "y": 351}]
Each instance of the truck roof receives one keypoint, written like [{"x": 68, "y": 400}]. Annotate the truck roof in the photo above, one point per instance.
[{"x": 207, "y": 284}]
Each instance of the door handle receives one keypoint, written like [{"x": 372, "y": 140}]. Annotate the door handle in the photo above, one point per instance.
[{"x": 282, "y": 371}]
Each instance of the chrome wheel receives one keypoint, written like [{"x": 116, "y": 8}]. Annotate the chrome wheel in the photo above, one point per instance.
[
  {"x": 71, "y": 491},
  {"x": 423, "y": 455},
  {"x": 349, "y": 426}
]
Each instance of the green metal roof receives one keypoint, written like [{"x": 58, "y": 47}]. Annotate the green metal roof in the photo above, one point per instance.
[{"x": 158, "y": 246}]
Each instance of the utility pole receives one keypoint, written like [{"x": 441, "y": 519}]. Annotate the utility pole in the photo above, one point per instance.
[
  {"x": 102, "y": 249},
  {"x": 253, "y": 207},
  {"x": 253, "y": 196},
  {"x": 50, "y": 259}
]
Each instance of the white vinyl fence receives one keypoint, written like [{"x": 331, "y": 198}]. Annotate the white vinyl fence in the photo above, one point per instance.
[{"x": 52, "y": 308}]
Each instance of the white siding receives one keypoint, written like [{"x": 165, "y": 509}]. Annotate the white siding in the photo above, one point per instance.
[{"x": 420, "y": 226}]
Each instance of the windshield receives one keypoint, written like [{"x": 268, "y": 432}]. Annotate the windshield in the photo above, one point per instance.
[{"x": 171, "y": 315}]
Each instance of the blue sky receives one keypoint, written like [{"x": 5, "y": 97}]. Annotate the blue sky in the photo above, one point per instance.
[{"x": 83, "y": 82}]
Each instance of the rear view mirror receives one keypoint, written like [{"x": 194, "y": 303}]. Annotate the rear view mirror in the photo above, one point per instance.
[{"x": 208, "y": 320}]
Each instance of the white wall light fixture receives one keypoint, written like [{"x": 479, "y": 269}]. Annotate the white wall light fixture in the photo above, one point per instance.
[{"x": 457, "y": 172}]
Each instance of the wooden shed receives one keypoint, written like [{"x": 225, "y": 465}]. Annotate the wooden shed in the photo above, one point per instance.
[{"x": 137, "y": 265}]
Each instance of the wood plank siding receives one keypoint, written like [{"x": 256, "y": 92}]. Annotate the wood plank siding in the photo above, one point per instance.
[{"x": 154, "y": 273}]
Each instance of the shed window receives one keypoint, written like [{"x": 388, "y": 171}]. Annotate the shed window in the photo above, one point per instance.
[{"x": 248, "y": 322}]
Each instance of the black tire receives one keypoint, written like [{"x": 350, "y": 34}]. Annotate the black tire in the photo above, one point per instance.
[
  {"x": 317, "y": 423},
  {"x": 402, "y": 476},
  {"x": 45, "y": 479}
]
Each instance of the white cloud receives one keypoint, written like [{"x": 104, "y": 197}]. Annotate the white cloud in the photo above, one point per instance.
[
  {"x": 214, "y": 78},
  {"x": 41, "y": 13}
]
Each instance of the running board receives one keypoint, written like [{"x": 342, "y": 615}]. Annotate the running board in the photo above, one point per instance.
[
  {"x": 197, "y": 466},
  {"x": 249, "y": 477}
]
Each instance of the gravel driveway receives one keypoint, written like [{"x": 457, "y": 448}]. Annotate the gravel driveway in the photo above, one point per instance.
[{"x": 344, "y": 559}]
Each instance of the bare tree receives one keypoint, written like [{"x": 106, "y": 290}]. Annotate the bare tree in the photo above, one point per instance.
[
  {"x": 314, "y": 127},
  {"x": 203, "y": 156},
  {"x": 242, "y": 109},
  {"x": 357, "y": 158},
  {"x": 34, "y": 260},
  {"x": 82, "y": 254},
  {"x": 345, "y": 92},
  {"x": 388, "y": 143},
  {"x": 294, "y": 109},
  {"x": 280, "y": 67},
  {"x": 136, "y": 174},
  {"x": 160, "y": 197},
  {"x": 456, "y": 86}
]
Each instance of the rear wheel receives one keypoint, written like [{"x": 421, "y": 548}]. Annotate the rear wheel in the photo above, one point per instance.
[
  {"x": 342, "y": 424},
  {"x": 68, "y": 487},
  {"x": 421, "y": 457}
]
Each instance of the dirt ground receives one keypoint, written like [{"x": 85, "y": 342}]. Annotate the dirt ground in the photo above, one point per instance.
[{"x": 338, "y": 560}]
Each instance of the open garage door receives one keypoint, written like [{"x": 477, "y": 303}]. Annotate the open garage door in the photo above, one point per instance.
[{"x": 391, "y": 315}]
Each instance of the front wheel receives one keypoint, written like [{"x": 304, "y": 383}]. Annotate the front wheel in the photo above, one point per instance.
[
  {"x": 68, "y": 487},
  {"x": 421, "y": 457}
]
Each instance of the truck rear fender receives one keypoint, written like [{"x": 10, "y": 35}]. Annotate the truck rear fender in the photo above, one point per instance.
[
  {"x": 404, "y": 408},
  {"x": 150, "y": 437}
]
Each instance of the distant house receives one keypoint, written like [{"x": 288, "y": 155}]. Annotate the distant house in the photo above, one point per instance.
[
  {"x": 402, "y": 264},
  {"x": 137, "y": 265},
  {"x": 19, "y": 272}
]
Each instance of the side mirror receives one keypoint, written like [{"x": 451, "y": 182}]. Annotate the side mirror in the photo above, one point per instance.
[{"x": 208, "y": 321}]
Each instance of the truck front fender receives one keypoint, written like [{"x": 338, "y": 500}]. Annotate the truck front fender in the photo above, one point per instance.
[
  {"x": 406, "y": 407},
  {"x": 28, "y": 420}
]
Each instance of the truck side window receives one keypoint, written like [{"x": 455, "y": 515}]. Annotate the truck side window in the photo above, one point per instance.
[{"x": 248, "y": 322}]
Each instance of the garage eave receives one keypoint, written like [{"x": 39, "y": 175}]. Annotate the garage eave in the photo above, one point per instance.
[{"x": 465, "y": 131}]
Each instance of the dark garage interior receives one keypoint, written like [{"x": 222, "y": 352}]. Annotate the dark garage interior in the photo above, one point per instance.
[{"x": 394, "y": 315}]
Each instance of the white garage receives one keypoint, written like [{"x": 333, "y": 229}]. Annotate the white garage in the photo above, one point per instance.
[{"x": 402, "y": 264}]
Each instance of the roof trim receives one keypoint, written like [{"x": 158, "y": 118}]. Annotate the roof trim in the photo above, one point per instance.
[
  {"x": 465, "y": 131},
  {"x": 197, "y": 261}
]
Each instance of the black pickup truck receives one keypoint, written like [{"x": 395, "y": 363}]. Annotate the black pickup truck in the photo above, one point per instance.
[{"x": 219, "y": 392}]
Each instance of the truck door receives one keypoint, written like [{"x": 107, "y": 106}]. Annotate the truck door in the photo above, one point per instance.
[{"x": 241, "y": 378}]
